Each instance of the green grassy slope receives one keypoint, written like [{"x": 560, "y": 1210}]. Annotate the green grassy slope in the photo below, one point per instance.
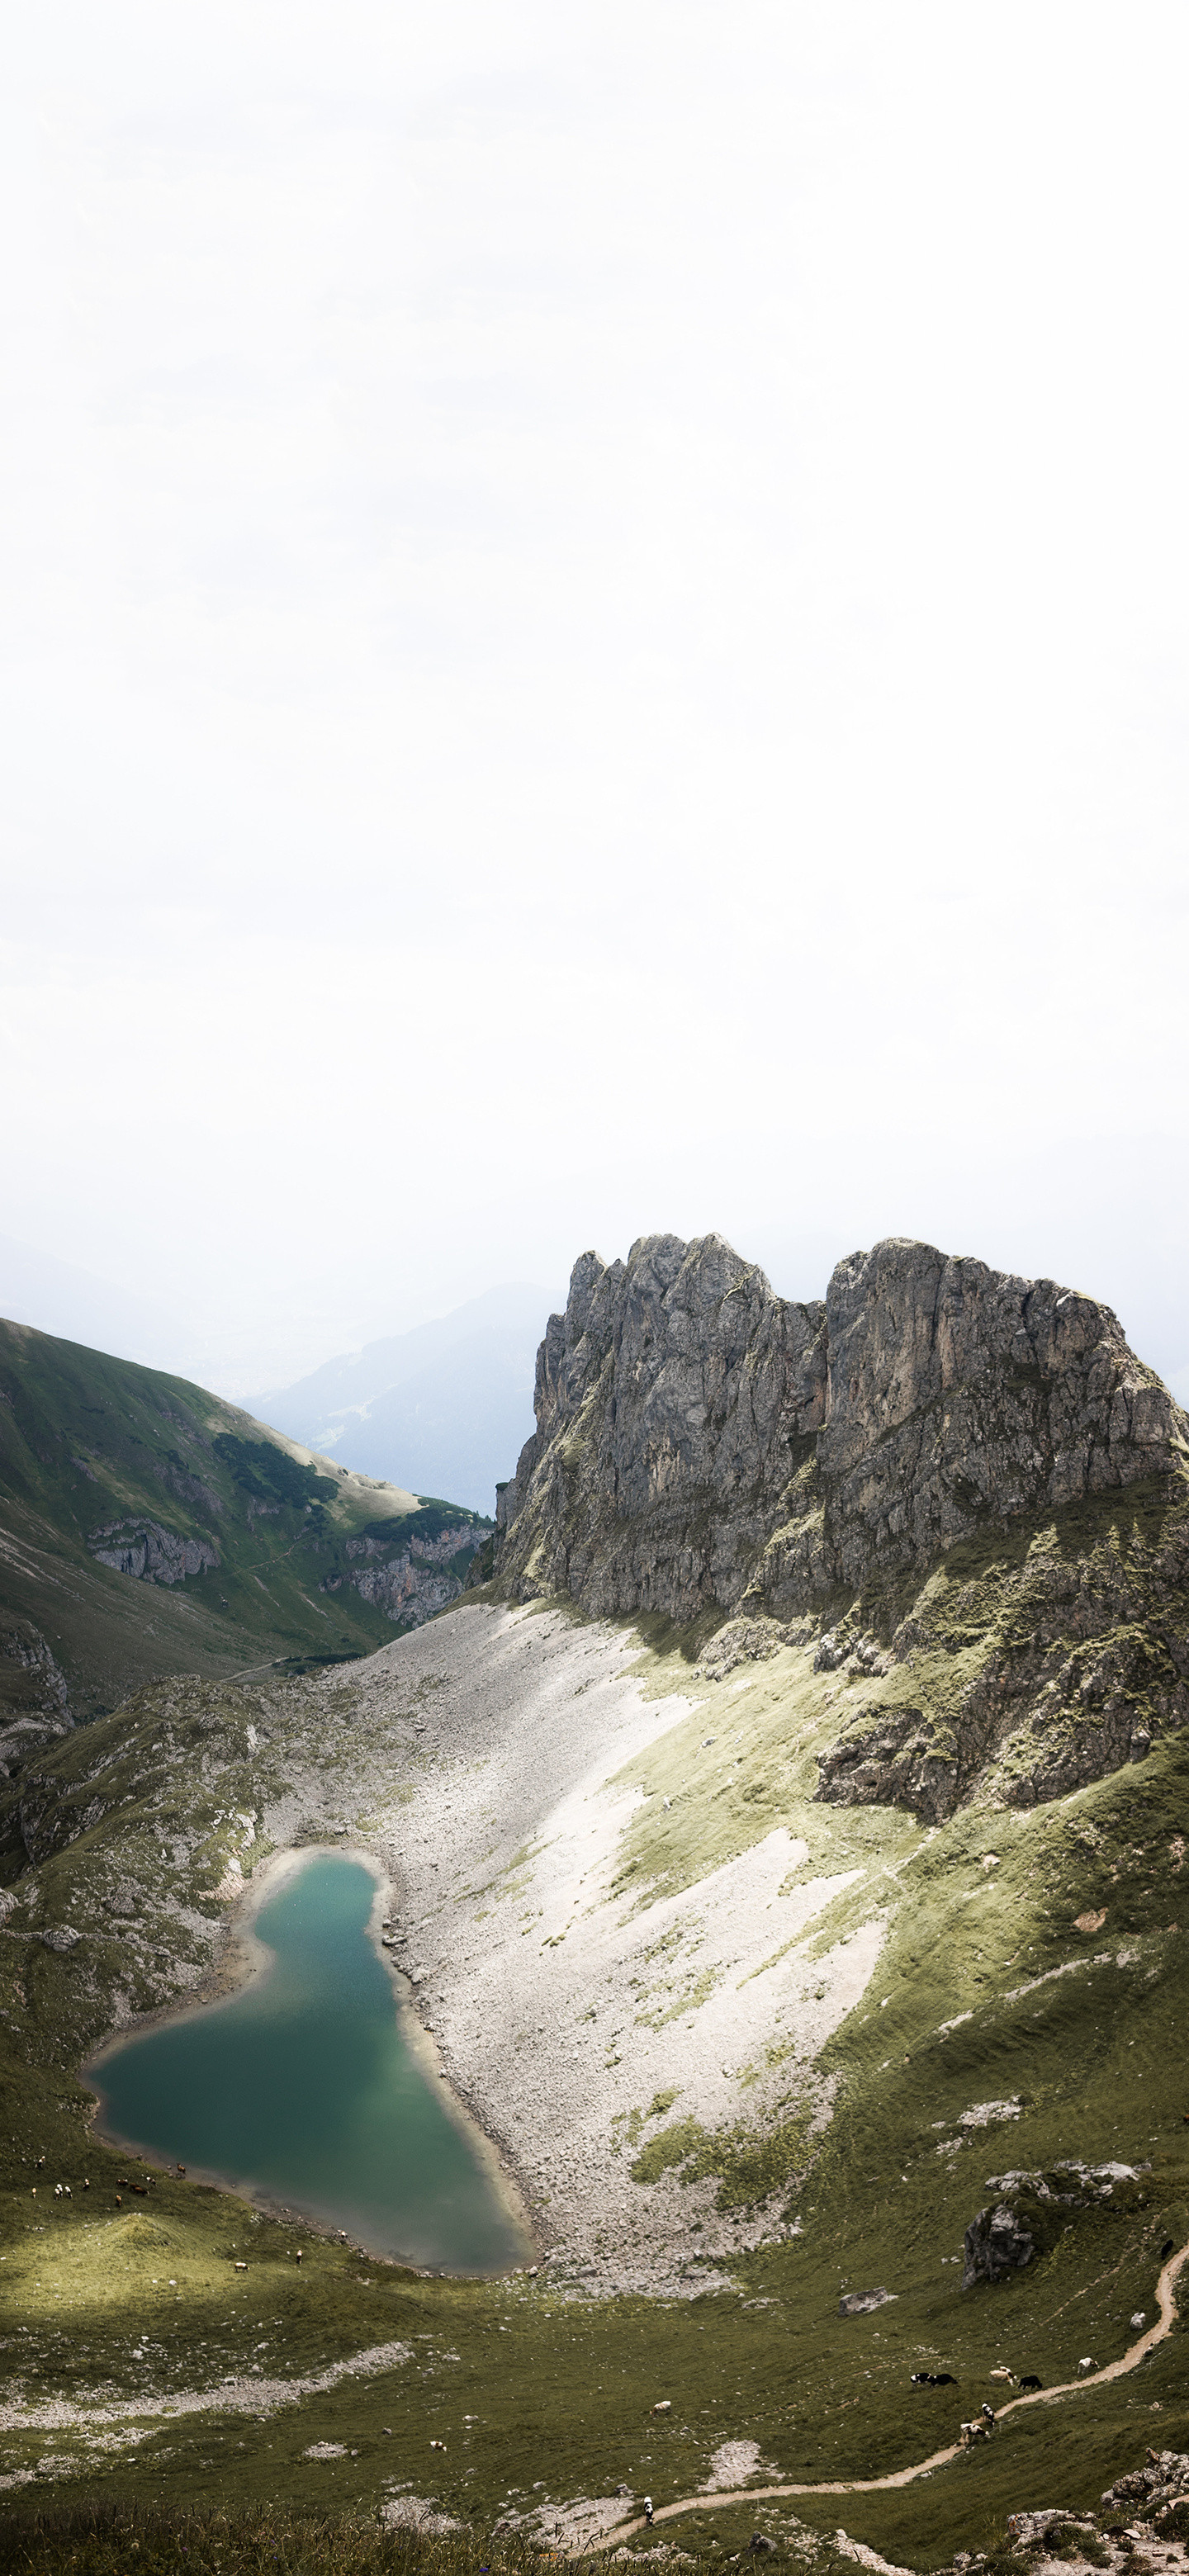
[{"x": 91, "y": 1444}]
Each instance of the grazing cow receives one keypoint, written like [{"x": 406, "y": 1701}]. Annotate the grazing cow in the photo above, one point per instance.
[
  {"x": 944, "y": 2379},
  {"x": 933, "y": 2379},
  {"x": 1030, "y": 2380},
  {"x": 988, "y": 2415},
  {"x": 971, "y": 2433},
  {"x": 1086, "y": 2364},
  {"x": 1168, "y": 2247}
]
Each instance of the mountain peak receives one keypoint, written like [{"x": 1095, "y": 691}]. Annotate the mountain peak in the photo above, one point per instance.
[{"x": 707, "y": 1449}]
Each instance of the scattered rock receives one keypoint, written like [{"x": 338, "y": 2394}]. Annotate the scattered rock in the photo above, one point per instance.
[
  {"x": 732, "y": 2465},
  {"x": 1027, "y": 2530},
  {"x": 981, "y": 2115},
  {"x": 870, "y": 2558},
  {"x": 859, "y": 2303},
  {"x": 417, "y": 2513},
  {"x": 1163, "y": 2480}
]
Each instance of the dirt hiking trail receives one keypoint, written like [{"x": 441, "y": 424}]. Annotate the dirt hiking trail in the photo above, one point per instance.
[{"x": 1135, "y": 2353}]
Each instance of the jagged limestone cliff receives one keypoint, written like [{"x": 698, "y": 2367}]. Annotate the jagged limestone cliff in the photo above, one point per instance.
[{"x": 705, "y": 1447}]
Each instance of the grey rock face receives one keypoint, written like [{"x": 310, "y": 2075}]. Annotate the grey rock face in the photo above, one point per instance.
[
  {"x": 996, "y": 2242},
  {"x": 36, "y": 1693},
  {"x": 701, "y": 1442},
  {"x": 706, "y": 1449},
  {"x": 676, "y": 1399},
  {"x": 151, "y": 1553},
  {"x": 405, "y": 1592},
  {"x": 994, "y": 2245},
  {"x": 422, "y": 1576},
  {"x": 1164, "y": 2480},
  {"x": 23, "y": 1644}
]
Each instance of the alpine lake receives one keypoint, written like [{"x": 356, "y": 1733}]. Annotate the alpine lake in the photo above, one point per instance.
[{"x": 302, "y": 2091}]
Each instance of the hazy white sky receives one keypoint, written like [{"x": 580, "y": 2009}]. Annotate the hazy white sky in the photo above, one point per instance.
[{"x": 595, "y": 639}]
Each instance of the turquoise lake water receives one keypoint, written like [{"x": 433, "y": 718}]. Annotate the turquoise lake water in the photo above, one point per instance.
[{"x": 302, "y": 2090}]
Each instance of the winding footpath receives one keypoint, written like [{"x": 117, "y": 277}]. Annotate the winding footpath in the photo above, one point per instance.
[{"x": 1130, "y": 2360}]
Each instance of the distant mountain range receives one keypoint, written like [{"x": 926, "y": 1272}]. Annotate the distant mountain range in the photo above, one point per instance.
[{"x": 444, "y": 1409}]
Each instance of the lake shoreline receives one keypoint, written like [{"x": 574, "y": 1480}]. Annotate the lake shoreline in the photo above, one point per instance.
[{"x": 242, "y": 1961}]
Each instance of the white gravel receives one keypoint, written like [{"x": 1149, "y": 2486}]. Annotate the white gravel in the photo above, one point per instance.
[
  {"x": 239, "y": 2396},
  {"x": 486, "y": 1751}
]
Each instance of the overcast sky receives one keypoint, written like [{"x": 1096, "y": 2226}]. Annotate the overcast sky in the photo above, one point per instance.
[{"x": 595, "y": 640}]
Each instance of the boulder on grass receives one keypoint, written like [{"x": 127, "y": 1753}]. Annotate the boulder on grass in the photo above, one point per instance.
[{"x": 996, "y": 2243}]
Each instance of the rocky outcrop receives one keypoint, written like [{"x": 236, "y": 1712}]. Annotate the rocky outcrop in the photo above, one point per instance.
[
  {"x": 1076, "y": 1718},
  {"x": 405, "y": 1592},
  {"x": 36, "y": 1703},
  {"x": 1027, "y": 2220},
  {"x": 424, "y": 1575},
  {"x": 702, "y": 1443},
  {"x": 1162, "y": 2482},
  {"x": 458, "y": 1540},
  {"x": 151, "y": 1553},
  {"x": 996, "y": 2243}
]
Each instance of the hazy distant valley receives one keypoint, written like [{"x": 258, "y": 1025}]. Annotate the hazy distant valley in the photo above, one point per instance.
[
  {"x": 783, "y": 1807},
  {"x": 445, "y": 1407}
]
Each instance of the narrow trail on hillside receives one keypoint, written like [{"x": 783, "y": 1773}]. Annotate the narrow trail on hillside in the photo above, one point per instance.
[{"x": 1130, "y": 2360}]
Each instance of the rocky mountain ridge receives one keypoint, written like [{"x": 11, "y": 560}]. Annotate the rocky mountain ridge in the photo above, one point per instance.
[{"x": 710, "y": 1451}]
